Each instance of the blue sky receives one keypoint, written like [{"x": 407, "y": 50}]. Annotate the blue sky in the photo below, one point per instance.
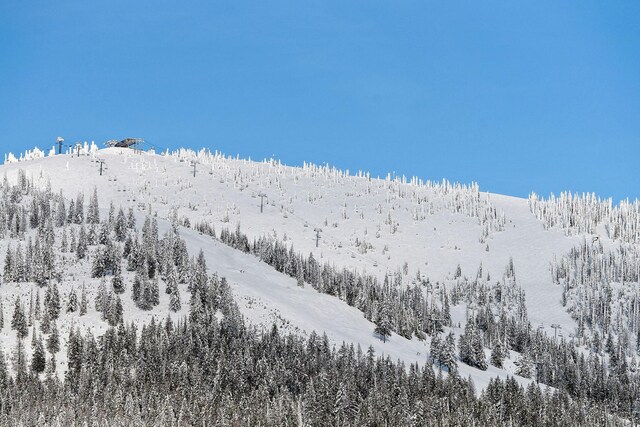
[{"x": 519, "y": 96}]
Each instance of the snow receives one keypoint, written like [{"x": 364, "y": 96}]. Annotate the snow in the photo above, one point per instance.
[{"x": 428, "y": 236}]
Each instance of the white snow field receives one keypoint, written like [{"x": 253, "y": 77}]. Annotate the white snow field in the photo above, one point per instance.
[{"x": 368, "y": 224}]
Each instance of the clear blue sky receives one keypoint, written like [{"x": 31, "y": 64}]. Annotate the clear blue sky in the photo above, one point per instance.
[{"x": 520, "y": 96}]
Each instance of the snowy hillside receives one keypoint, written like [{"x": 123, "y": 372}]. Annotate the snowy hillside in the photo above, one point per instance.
[
  {"x": 383, "y": 263},
  {"x": 373, "y": 225}
]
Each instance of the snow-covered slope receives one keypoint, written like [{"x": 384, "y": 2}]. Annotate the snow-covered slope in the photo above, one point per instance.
[{"x": 377, "y": 226}]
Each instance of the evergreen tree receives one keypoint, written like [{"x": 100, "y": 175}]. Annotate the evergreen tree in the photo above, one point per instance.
[
  {"x": 4, "y": 372},
  {"x": 51, "y": 366},
  {"x": 114, "y": 311},
  {"x": 136, "y": 289},
  {"x": 93, "y": 212},
  {"x": 112, "y": 212},
  {"x": 83, "y": 301},
  {"x": 19, "y": 322},
  {"x": 20, "y": 361},
  {"x": 131, "y": 219},
  {"x": 117, "y": 283},
  {"x": 101, "y": 298},
  {"x": 104, "y": 234},
  {"x": 98, "y": 266},
  {"x": 300, "y": 279},
  {"x": 435, "y": 349},
  {"x": 31, "y": 310},
  {"x": 78, "y": 215},
  {"x": 498, "y": 353},
  {"x": 53, "y": 340},
  {"x": 524, "y": 365},
  {"x": 383, "y": 321},
  {"x": 45, "y": 324},
  {"x": 38, "y": 357},
  {"x": 74, "y": 357},
  {"x": 154, "y": 291},
  {"x": 471, "y": 348},
  {"x": 52, "y": 301},
  {"x": 61, "y": 219},
  {"x": 120, "y": 226},
  {"x": 72, "y": 303},
  {"x": 174, "y": 300},
  {"x": 38, "y": 308},
  {"x": 448, "y": 352},
  {"x": 73, "y": 242},
  {"x": 171, "y": 280},
  {"x": 71, "y": 216},
  {"x": 9, "y": 266},
  {"x": 1, "y": 316},
  {"x": 82, "y": 244}
]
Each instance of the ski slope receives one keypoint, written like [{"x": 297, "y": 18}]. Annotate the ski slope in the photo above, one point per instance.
[{"x": 368, "y": 224}]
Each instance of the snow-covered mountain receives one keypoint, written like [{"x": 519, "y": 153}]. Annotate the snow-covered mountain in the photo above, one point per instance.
[{"x": 432, "y": 255}]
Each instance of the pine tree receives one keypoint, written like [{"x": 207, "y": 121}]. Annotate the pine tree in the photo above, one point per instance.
[
  {"x": 471, "y": 348},
  {"x": 20, "y": 360},
  {"x": 38, "y": 308},
  {"x": 155, "y": 292},
  {"x": 34, "y": 336},
  {"x": 61, "y": 219},
  {"x": 78, "y": 215},
  {"x": 4, "y": 372},
  {"x": 100, "y": 301},
  {"x": 9, "y": 266},
  {"x": 1, "y": 316},
  {"x": 174, "y": 300},
  {"x": 98, "y": 266},
  {"x": 114, "y": 311},
  {"x": 64, "y": 242},
  {"x": 300, "y": 279},
  {"x": 172, "y": 279},
  {"x": 82, "y": 244},
  {"x": 72, "y": 303},
  {"x": 72, "y": 212},
  {"x": 383, "y": 321},
  {"x": 38, "y": 358},
  {"x": 117, "y": 283},
  {"x": 131, "y": 219},
  {"x": 120, "y": 226},
  {"x": 74, "y": 357},
  {"x": 93, "y": 213},
  {"x": 119, "y": 311},
  {"x": 52, "y": 301},
  {"x": 498, "y": 353},
  {"x": 104, "y": 234},
  {"x": 31, "y": 308},
  {"x": 45, "y": 324},
  {"x": 73, "y": 242},
  {"x": 19, "y": 273},
  {"x": 112, "y": 212},
  {"x": 19, "y": 322},
  {"x": 435, "y": 348},
  {"x": 448, "y": 353},
  {"x": 146, "y": 298},
  {"x": 53, "y": 341},
  {"x": 83, "y": 301},
  {"x": 136, "y": 289},
  {"x": 51, "y": 366},
  {"x": 525, "y": 365},
  {"x": 34, "y": 218}
]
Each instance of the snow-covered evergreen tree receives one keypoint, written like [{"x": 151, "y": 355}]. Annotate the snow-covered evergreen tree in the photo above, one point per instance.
[
  {"x": 383, "y": 321},
  {"x": 19, "y": 321},
  {"x": 471, "y": 347}
]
